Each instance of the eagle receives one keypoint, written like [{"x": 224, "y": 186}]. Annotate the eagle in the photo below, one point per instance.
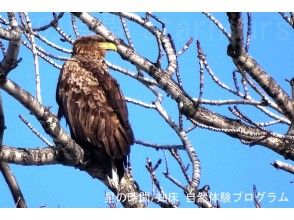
[{"x": 94, "y": 107}]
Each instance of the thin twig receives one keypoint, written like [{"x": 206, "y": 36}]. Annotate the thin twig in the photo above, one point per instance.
[
  {"x": 51, "y": 44},
  {"x": 256, "y": 202},
  {"x": 3, "y": 21},
  {"x": 270, "y": 123},
  {"x": 44, "y": 57},
  {"x": 175, "y": 155},
  {"x": 201, "y": 76},
  {"x": 129, "y": 39},
  {"x": 144, "y": 80},
  {"x": 2, "y": 47},
  {"x": 140, "y": 103},
  {"x": 31, "y": 37},
  {"x": 218, "y": 24},
  {"x": 148, "y": 14},
  {"x": 151, "y": 170},
  {"x": 126, "y": 31},
  {"x": 74, "y": 26},
  {"x": 249, "y": 27},
  {"x": 30, "y": 126},
  {"x": 185, "y": 47},
  {"x": 51, "y": 23},
  {"x": 173, "y": 180},
  {"x": 160, "y": 147},
  {"x": 202, "y": 57},
  {"x": 245, "y": 87}
]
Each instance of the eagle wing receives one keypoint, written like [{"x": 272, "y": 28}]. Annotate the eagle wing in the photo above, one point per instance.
[{"x": 93, "y": 106}]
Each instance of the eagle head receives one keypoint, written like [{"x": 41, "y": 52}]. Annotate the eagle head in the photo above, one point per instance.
[{"x": 94, "y": 46}]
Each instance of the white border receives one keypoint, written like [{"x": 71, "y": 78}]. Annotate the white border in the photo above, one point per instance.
[
  {"x": 147, "y": 5},
  {"x": 142, "y": 214}
]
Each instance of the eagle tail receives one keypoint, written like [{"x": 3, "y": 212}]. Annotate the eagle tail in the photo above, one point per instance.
[
  {"x": 113, "y": 168},
  {"x": 117, "y": 170}
]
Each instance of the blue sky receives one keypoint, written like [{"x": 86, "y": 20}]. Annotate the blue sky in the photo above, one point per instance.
[{"x": 229, "y": 167}]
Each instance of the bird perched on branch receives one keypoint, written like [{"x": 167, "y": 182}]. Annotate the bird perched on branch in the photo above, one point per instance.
[{"x": 94, "y": 107}]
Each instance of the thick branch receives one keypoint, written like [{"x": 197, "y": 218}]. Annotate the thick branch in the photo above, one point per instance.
[
  {"x": 6, "y": 34},
  {"x": 28, "y": 157},
  {"x": 246, "y": 63},
  {"x": 10, "y": 59},
  {"x": 72, "y": 151}
]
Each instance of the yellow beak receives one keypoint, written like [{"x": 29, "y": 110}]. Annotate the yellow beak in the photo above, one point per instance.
[{"x": 107, "y": 46}]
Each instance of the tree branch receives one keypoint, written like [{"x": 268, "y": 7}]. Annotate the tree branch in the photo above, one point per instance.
[
  {"x": 28, "y": 157},
  {"x": 10, "y": 59},
  {"x": 72, "y": 151},
  {"x": 283, "y": 166},
  {"x": 5, "y": 169},
  {"x": 246, "y": 63},
  {"x": 13, "y": 186},
  {"x": 188, "y": 107}
]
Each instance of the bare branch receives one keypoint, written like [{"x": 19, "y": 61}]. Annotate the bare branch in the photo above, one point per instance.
[
  {"x": 42, "y": 55},
  {"x": 3, "y": 21},
  {"x": 126, "y": 31},
  {"x": 28, "y": 157},
  {"x": 65, "y": 37},
  {"x": 248, "y": 35},
  {"x": 74, "y": 25},
  {"x": 49, "y": 121},
  {"x": 51, "y": 23},
  {"x": 6, "y": 34},
  {"x": 187, "y": 144},
  {"x": 185, "y": 48},
  {"x": 203, "y": 59},
  {"x": 174, "y": 181},
  {"x": 140, "y": 103},
  {"x": 244, "y": 62},
  {"x": 30, "y": 126},
  {"x": 10, "y": 59},
  {"x": 13, "y": 185},
  {"x": 288, "y": 19},
  {"x": 160, "y": 147},
  {"x": 141, "y": 79},
  {"x": 256, "y": 202},
  {"x": 201, "y": 73},
  {"x": 218, "y": 24},
  {"x": 175, "y": 154},
  {"x": 151, "y": 170},
  {"x": 2, "y": 47},
  {"x": 283, "y": 166},
  {"x": 51, "y": 44},
  {"x": 5, "y": 169},
  {"x": 165, "y": 39},
  {"x": 28, "y": 26}
]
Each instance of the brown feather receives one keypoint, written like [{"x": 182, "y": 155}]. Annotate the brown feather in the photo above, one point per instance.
[{"x": 93, "y": 105}]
